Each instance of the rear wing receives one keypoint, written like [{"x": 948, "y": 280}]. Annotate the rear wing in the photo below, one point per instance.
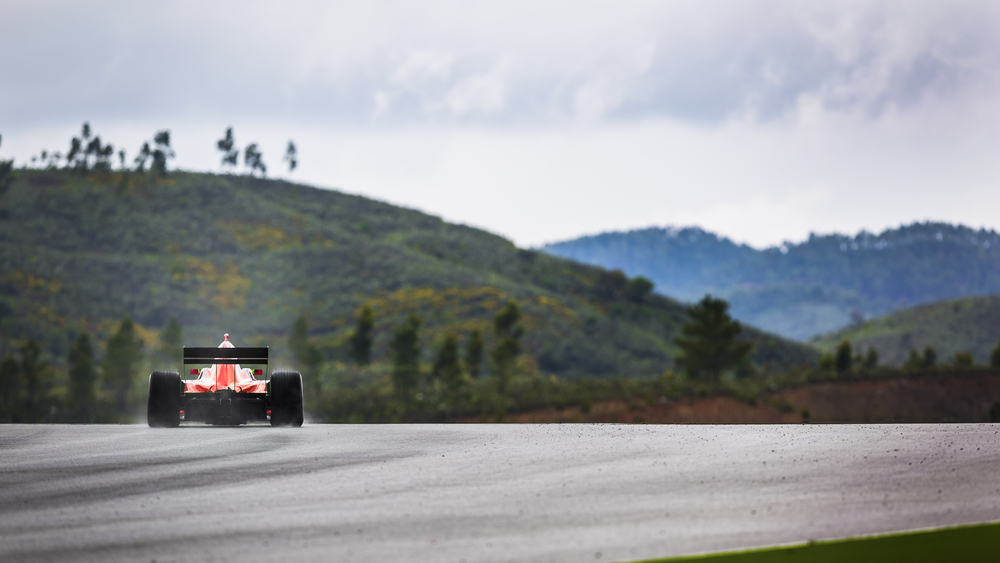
[{"x": 225, "y": 355}]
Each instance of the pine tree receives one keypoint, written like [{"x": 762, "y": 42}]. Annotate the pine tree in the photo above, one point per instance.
[
  {"x": 405, "y": 349},
  {"x": 76, "y": 158},
  {"x": 930, "y": 356},
  {"x": 172, "y": 343},
  {"x": 11, "y": 390},
  {"x": 6, "y": 174},
  {"x": 995, "y": 357},
  {"x": 361, "y": 340},
  {"x": 121, "y": 362},
  {"x": 82, "y": 380},
  {"x": 708, "y": 341},
  {"x": 306, "y": 356},
  {"x": 292, "y": 157},
  {"x": 508, "y": 331},
  {"x": 474, "y": 351},
  {"x": 843, "y": 359},
  {"x": 161, "y": 152},
  {"x": 34, "y": 374},
  {"x": 871, "y": 358},
  {"x": 230, "y": 154},
  {"x": 140, "y": 160},
  {"x": 254, "y": 159},
  {"x": 638, "y": 288},
  {"x": 448, "y": 368},
  {"x": 964, "y": 360}
]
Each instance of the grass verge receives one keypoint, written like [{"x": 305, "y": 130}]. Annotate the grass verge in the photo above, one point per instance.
[{"x": 980, "y": 542}]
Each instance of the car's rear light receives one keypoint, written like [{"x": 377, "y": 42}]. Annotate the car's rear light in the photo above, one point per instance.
[{"x": 269, "y": 412}]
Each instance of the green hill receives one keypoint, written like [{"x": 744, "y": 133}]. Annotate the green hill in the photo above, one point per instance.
[
  {"x": 801, "y": 290},
  {"x": 970, "y": 324},
  {"x": 247, "y": 256}
]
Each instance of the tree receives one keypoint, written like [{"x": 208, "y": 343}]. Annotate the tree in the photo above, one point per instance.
[
  {"x": 87, "y": 152},
  {"x": 6, "y": 174},
  {"x": 708, "y": 341},
  {"x": 638, "y": 288},
  {"x": 34, "y": 375},
  {"x": 306, "y": 356},
  {"x": 11, "y": 388},
  {"x": 447, "y": 366},
  {"x": 143, "y": 156},
  {"x": 995, "y": 357},
  {"x": 82, "y": 380},
  {"x": 871, "y": 358},
  {"x": 101, "y": 153},
  {"x": 930, "y": 356},
  {"x": 508, "y": 331},
  {"x": 843, "y": 358},
  {"x": 964, "y": 360},
  {"x": 610, "y": 285},
  {"x": 172, "y": 343},
  {"x": 161, "y": 152},
  {"x": 227, "y": 144},
  {"x": 474, "y": 350},
  {"x": 827, "y": 361},
  {"x": 121, "y": 363},
  {"x": 361, "y": 340},
  {"x": 405, "y": 349},
  {"x": 253, "y": 159},
  {"x": 447, "y": 369},
  {"x": 76, "y": 157},
  {"x": 291, "y": 156}
]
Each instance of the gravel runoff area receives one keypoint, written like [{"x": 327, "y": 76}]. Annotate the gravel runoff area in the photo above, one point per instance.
[{"x": 481, "y": 492}]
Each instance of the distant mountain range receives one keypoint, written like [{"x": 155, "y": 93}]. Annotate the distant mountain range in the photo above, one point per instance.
[{"x": 814, "y": 287}]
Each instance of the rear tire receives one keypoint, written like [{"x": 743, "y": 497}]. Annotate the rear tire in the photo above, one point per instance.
[
  {"x": 286, "y": 398},
  {"x": 163, "y": 410}
]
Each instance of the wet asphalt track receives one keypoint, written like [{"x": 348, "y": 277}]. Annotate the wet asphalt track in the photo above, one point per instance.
[{"x": 477, "y": 492}]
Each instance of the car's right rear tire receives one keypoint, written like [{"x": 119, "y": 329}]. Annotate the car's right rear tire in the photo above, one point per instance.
[
  {"x": 163, "y": 410},
  {"x": 286, "y": 398}
]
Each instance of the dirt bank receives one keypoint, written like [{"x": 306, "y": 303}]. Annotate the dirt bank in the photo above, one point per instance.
[{"x": 939, "y": 398}]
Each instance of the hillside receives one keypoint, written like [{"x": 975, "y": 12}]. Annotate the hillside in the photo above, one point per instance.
[
  {"x": 814, "y": 287},
  {"x": 247, "y": 256},
  {"x": 970, "y": 324}
]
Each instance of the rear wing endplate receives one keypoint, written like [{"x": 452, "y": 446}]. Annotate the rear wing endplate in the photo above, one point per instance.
[{"x": 225, "y": 355}]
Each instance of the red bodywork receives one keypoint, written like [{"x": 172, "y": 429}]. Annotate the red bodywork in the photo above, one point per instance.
[{"x": 225, "y": 376}]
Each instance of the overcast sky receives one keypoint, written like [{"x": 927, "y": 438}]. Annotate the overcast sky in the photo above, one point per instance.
[{"x": 761, "y": 120}]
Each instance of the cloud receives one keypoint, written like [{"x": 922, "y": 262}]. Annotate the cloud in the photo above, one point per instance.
[{"x": 497, "y": 63}]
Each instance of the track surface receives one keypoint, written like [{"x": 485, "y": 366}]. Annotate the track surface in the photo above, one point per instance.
[{"x": 477, "y": 492}]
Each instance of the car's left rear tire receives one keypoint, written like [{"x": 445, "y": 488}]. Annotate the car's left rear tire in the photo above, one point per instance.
[{"x": 163, "y": 409}]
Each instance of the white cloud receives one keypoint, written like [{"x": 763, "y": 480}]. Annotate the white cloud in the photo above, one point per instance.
[{"x": 485, "y": 93}]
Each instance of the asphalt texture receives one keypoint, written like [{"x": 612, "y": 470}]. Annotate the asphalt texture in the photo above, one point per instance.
[{"x": 455, "y": 493}]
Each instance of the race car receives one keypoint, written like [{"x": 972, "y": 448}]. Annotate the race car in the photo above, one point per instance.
[{"x": 225, "y": 393}]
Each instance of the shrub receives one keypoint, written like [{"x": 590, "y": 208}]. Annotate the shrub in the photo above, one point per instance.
[
  {"x": 844, "y": 357},
  {"x": 963, "y": 360}
]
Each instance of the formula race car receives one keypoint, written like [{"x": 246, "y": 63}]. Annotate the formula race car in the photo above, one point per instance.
[{"x": 225, "y": 393}]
